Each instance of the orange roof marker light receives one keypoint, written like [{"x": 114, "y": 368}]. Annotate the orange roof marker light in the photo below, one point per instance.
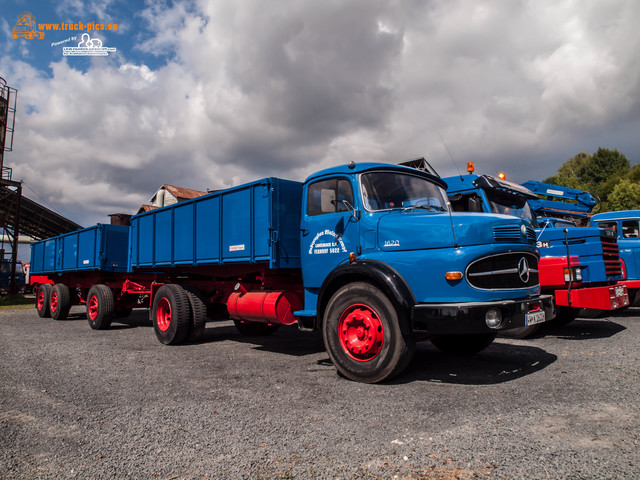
[
  {"x": 502, "y": 176},
  {"x": 470, "y": 167}
]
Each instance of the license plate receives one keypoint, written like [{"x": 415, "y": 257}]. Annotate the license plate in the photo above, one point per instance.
[
  {"x": 619, "y": 292},
  {"x": 534, "y": 317}
]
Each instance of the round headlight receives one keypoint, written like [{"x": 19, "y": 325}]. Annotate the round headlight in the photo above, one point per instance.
[{"x": 493, "y": 318}]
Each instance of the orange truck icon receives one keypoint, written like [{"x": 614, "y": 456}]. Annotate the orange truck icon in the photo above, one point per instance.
[{"x": 26, "y": 27}]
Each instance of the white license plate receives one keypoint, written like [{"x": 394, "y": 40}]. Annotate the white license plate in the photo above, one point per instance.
[
  {"x": 535, "y": 317},
  {"x": 619, "y": 292}
]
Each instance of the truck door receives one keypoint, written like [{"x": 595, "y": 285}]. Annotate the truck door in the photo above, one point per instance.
[{"x": 330, "y": 229}]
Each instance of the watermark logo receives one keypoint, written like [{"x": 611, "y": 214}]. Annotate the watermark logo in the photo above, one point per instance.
[
  {"x": 25, "y": 27},
  {"x": 89, "y": 47}
]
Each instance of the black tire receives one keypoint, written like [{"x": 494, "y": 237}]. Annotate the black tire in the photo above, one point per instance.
[
  {"x": 100, "y": 307},
  {"x": 171, "y": 314},
  {"x": 521, "y": 332},
  {"x": 255, "y": 329},
  {"x": 464, "y": 344},
  {"x": 565, "y": 315},
  {"x": 198, "y": 312},
  {"x": 60, "y": 302},
  {"x": 42, "y": 300},
  {"x": 367, "y": 338}
]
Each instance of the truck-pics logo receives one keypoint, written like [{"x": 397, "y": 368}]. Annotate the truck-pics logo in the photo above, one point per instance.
[
  {"x": 25, "y": 27},
  {"x": 335, "y": 245}
]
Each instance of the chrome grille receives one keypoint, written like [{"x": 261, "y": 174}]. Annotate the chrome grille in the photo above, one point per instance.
[{"x": 506, "y": 271}]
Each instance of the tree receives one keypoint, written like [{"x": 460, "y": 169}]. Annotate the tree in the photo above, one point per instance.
[
  {"x": 599, "y": 174},
  {"x": 625, "y": 196}
]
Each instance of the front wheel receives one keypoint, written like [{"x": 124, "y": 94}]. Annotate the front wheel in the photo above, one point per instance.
[
  {"x": 367, "y": 338},
  {"x": 100, "y": 307},
  {"x": 60, "y": 301},
  {"x": 464, "y": 344}
]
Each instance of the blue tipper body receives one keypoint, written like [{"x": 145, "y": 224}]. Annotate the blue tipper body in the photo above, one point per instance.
[
  {"x": 101, "y": 247},
  {"x": 258, "y": 222}
]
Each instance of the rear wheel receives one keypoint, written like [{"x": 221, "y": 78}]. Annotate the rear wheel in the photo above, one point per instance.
[
  {"x": 42, "y": 300},
  {"x": 367, "y": 338},
  {"x": 198, "y": 312},
  {"x": 464, "y": 344},
  {"x": 565, "y": 315},
  {"x": 100, "y": 307},
  {"x": 60, "y": 301},
  {"x": 171, "y": 314}
]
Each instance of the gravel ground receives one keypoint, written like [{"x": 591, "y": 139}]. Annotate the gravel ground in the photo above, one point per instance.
[{"x": 78, "y": 403}]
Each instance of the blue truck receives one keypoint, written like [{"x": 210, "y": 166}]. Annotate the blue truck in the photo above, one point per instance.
[
  {"x": 369, "y": 254},
  {"x": 625, "y": 226},
  {"x": 579, "y": 266},
  {"x": 5, "y": 277}
]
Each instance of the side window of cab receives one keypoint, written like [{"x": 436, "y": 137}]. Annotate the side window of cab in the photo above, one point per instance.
[
  {"x": 329, "y": 196},
  {"x": 610, "y": 225}
]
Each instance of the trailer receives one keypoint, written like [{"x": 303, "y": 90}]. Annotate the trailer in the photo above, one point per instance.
[
  {"x": 368, "y": 254},
  {"x": 580, "y": 266}
]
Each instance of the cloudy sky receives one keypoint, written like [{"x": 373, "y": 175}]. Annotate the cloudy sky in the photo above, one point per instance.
[{"x": 213, "y": 93}]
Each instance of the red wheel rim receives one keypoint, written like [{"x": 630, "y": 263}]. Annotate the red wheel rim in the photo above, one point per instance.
[
  {"x": 54, "y": 301},
  {"x": 163, "y": 314},
  {"x": 40, "y": 299},
  {"x": 361, "y": 333},
  {"x": 93, "y": 307}
]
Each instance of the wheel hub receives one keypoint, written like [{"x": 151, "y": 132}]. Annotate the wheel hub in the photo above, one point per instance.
[
  {"x": 93, "y": 308},
  {"x": 361, "y": 333},
  {"x": 163, "y": 315}
]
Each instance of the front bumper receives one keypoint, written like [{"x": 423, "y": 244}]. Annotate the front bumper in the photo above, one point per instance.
[
  {"x": 608, "y": 297},
  {"x": 464, "y": 318}
]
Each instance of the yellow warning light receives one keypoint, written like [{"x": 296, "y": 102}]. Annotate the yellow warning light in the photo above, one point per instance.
[
  {"x": 502, "y": 176},
  {"x": 470, "y": 167}
]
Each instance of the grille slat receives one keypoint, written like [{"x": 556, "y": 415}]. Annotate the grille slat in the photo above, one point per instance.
[
  {"x": 513, "y": 234},
  {"x": 611, "y": 256}
]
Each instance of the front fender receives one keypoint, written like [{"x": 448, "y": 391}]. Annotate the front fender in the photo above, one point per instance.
[{"x": 373, "y": 271}]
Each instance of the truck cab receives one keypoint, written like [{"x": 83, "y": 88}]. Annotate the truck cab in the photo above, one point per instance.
[
  {"x": 625, "y": 226},
  {"x": 580, "y": 266},
  {"x": 5, "y": 276},
  {"x": 459, "y": 278}
]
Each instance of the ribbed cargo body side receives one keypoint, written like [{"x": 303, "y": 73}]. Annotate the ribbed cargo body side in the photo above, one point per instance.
[
  {"x": 101, "y": 247},
  {"x": 258, "y": 222}
]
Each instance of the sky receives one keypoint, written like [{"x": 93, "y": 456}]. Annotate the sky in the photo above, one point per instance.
[{"x": 209, "y": 94}]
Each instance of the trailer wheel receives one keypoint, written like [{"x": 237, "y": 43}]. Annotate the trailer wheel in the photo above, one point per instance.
[
  {"x": 198, "y": 312},
  {"x": 171, "y": 314},
  {"x": 42, "y": 300},
  {"x": 367, "y": 338},
  {"x": 464, "y": 344},
  {"x": 100, "y": 307},
  {"x": 520, "y": 332},
  {"x": 255, "y": 329},
  {"x": 60, "y": 301}
]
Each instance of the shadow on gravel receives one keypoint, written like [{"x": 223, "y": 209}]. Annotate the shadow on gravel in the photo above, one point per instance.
[
  {"x": 580, "y": 329},
  {"x": 287, "y": 340},
  {"x": 499, "y": 363}
]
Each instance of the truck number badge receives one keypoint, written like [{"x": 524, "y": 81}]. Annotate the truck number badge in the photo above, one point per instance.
[{"x": 392, "y": 243}]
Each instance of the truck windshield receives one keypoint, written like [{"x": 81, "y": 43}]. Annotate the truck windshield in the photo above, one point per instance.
[
  {"x": 389, "y": 190},
  {"x": 509, "y": 204},
  {"x": 5, "y": 267}
]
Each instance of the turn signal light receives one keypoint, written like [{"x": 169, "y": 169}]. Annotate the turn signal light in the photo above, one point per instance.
[{"x": 453, "y": 275}]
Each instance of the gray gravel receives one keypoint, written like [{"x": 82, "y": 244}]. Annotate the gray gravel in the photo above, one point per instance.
[{"x": 78, "y": 403}]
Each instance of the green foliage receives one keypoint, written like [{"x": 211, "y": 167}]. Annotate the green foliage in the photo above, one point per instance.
[
  {"x": 625, "y": 196},
  {"x": 607, "y": 174}
]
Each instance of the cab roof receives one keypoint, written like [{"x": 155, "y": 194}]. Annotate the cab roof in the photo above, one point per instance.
[{"x": 356, "y": 168}]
